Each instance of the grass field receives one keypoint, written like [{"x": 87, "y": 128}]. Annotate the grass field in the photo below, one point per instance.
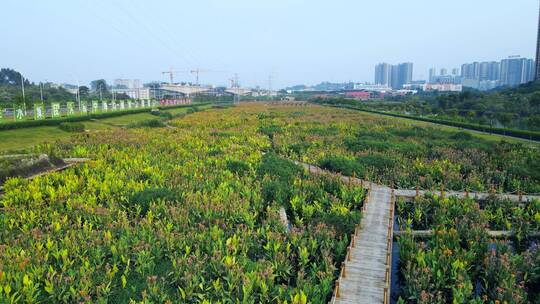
[
  {"x": 20, "y": 139},
  {"x": 13, "y": 140}
]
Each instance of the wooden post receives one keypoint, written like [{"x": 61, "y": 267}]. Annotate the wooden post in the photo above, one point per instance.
[
  {"x": 337, "y": 289},
  {"x": 442, "y": 191},
  {"x": 352, "y": 240},
  {"x": 467, "y": 192},
  {"x": 417, "y": 191},
  {"x": 520, "y": 196},
  {"x": 348, "y": 254}
]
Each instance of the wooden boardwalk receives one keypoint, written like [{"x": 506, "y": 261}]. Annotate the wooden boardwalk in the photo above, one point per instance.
[
  {"x": 366, "y": 274},
  {"x": 365, "y": 277}
]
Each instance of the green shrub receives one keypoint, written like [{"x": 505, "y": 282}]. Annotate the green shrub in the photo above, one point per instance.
[
  {"x": 270, "y": 130},
  {"x": 237, "y": 166},
  {"x": 276, "y": 191},
  {"x": 166, "y": 115},
  {"x": 144, "y": 198},
  {"x": 300, "y": 147},
  {"x": 281, "y": 173},
  {"x": 150, "y": 123},
  {"x": 162, "y": 114},
  {"x": 342, "y": 165},
  {"x": 278, "y": 168},
  {"x": 356, "y": 145},
  {"x": 380, "y": 162},
  {"x": 72, "y": 127},
  {"x": 192, "y": 110},
  {"x": 223, "y": 106},
  {"x": 464, "y": 136}
]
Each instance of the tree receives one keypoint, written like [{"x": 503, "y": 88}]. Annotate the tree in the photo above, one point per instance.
[
  {"x": 11, "y": 77},
  {"x": 534, "y": 100},
  {"x": 99, "y": 85},
  {"x": 84, "y": 91},
  {"x": 534, "y": 122}
]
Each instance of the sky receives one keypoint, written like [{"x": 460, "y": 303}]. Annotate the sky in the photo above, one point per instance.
[{"x": 266, "y": 42}]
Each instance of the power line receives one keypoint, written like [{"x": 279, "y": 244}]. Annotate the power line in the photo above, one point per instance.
[{"x": 149, "y": 32}]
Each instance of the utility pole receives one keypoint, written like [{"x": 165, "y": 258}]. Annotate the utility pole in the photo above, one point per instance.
[
  {"x": 79, "y": 95},
  {"x": 237, "y": 85},
  {"x": 22, "y": 84},
  {"x": 270, "y": 86},
  {"x": 196, "y": 72},
  {"x": 41, "y": 90}
]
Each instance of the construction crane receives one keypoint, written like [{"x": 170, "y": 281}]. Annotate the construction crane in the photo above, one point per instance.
[
  {"x": 172, "y": 73},
  {"x": 198, "y": 71}
]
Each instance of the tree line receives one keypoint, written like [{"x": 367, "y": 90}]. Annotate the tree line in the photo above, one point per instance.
[
  {"x": 514, "y": 108},
  {"x": 11, "y": 83}
]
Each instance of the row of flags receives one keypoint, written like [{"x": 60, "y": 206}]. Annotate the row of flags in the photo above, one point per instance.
[{"x": 40, "y": 111}]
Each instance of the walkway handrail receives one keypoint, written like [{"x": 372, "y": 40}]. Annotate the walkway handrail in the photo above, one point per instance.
[
  {"x": 343, "y": 271},
  {"x": 389, "y": 244}
]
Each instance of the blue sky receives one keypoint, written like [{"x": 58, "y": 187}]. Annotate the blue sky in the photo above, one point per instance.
[{"x": 295, "y": 41}]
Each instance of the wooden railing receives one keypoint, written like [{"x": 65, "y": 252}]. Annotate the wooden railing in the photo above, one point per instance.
[
  {"x": 389, "y": 240},
  {"x": 343, "y": 272}
]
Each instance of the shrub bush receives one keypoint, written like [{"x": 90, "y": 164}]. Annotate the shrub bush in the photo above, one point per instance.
[
  {"x": 150, "y": 123},
  {"x": 464, "y": 136},
  {"x": 380, "y": 162},
  {"x": 278, "y": 168},
  {"x": 237, "y": 166},
  {"x": 342, "y": 165},
  {"x": 72, "y": 127},
  {"x": 270, "y": 130},
  {"x": 144, "y": 198}
]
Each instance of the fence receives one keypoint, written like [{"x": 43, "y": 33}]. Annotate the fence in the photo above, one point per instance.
[{"x": 57, "y": 110}]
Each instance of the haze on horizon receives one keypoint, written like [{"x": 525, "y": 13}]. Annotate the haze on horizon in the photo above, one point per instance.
[{"x": 295, "y": 41}]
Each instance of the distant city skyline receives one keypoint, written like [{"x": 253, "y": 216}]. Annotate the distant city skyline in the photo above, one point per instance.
[
  {"x": 289, "y": 42},
  {"x": 394, "y": 76}
]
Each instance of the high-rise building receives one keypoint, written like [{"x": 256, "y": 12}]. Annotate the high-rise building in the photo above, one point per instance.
[
  {"x": 404, "y": 75},
  {"x": 383, "y": 74},
  {"x": 516, "y": 70},
  {"x": 470, "y": 70},
  {"x": 444, "y": 72},
  {"x": 394, "y": 76},
  {"x": 455, "y": 72},
  {"x": 488, "y": 75},
  {"x": 537, "y": 66},
  {"x": 432, "y": 74},
  {"x": 489, "y": 71}
]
